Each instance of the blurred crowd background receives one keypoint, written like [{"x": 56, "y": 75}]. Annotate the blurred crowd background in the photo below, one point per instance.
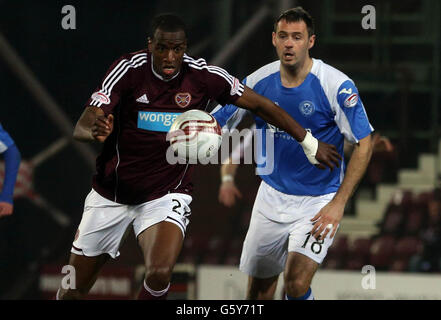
[{"x": 47, "y": 74}]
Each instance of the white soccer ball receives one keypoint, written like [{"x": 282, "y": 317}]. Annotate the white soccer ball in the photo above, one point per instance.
[{"x": 195, "y": 136}]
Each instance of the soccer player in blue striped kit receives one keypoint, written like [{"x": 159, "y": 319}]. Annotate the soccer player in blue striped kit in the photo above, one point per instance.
[
  {"x": 12, "y": 163},
  {"x": 298, "y": 208}
]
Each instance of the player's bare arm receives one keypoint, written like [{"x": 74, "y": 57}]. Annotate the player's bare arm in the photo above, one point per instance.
[
  {"x": 93, "y": 125},
  {"x": 318, "y": 153},
  {"x": 332, "y": 213},
  {"x": 228, "y": 192}
]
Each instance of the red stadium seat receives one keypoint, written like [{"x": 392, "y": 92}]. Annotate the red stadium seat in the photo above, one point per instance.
[
  {"x": 360, "y": 248},
  {"x": 392, "y": 222},
  {"x": 358, "y": 254},
  {"x": 414, "y": 222},
  {"x": 407, "y": 247},
  {"x": 339, "y": 248},
  {"x": 381, "y": 252}
]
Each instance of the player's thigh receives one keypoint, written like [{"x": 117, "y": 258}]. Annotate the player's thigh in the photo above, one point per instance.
[
  {"x": 300, "y": 238},
  {"x": 102, "y": 227},
  {"x": 265, "y": 247},
  {"x": 86, "y": 270},
  {"x": 161, "y": 244},
  {"x": 160, "y": 227}
]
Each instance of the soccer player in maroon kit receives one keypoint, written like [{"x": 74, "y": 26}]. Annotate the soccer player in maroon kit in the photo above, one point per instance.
[{"x": 131, "y": 113}]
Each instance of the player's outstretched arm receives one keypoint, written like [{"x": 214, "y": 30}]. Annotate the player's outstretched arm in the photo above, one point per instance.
[
  {"x": 332, "y": 213},
  {"x": 93, "y": 125},
  {"x": 228, "y": 192},
  {"x": 318, "y": 153}
]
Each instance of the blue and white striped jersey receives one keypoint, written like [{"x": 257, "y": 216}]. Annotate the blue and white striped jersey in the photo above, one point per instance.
[{"x": 327, "y": 103}]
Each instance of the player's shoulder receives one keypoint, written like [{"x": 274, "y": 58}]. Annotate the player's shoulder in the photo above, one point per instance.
[
  {"x": 194, "y": 61},
  {"x": 131, "y": 60},
  {"x": 199, "y": 65},
  {"x": 201, "y": 71},
  {"x": 262, "y": 73},
  {"x": 330, "y": 77},
  {"x": 140, "y": 54}
]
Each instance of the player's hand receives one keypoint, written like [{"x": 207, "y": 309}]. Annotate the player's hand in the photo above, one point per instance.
[
  {"x": 330, "y": 214},
  {"x": 381, "y": 143},
  {"x": 327, "y": 156},
  {"x": 6, "y": 209},
  {"x": 228, "y": 193},
  {"x": 102, "y": 128}
]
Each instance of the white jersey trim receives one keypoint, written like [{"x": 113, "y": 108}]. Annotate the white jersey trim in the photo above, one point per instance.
[
  {"x": 331, "y": 79},
  {"x": 117, "y": 73},
  {"x": 262, "y": 73},
  {"x": 3, "y": 147},
  {"x": 201, "y": 64}
]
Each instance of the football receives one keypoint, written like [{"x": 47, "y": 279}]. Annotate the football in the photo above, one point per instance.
[{"x": 195, "y": 136}]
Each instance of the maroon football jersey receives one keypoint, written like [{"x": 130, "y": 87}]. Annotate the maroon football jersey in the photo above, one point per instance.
[{"x": 132, "y": 167}]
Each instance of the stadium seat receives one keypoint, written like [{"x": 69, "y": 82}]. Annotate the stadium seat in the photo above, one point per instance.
[
  {"x": 392, "y": 222},
  {"x": 414, "y": 222},
  {"x": 358, "y": 254},
  {"x": 381, "y": 251},
  {"x": 360, "y": 247},
  {"x": 339, "y": 249},
  {"x": 407, "y": 246}
]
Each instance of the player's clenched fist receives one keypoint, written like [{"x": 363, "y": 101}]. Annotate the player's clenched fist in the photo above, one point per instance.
[
  {"x": 102, "y": 128},
  {"x": 328, "y": 156},
  {"x": 228, "y": 193}
]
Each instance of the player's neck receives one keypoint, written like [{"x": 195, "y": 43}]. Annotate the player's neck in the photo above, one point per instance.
[{"x": 293, "y": 77}]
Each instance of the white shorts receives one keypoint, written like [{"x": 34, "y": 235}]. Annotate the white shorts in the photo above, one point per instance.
[
  {"x": 105, "y": 222},
  {"x": 269, "y": 240}
]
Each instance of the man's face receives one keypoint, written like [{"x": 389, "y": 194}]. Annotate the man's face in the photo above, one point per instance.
[
  {"x": 292, "y": 42},
  {"x": 168, "y": 50}
]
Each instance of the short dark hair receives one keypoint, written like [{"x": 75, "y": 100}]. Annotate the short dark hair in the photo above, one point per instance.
[
  {"x": 168, "y": 22},
  {"x": 297, "y": 14}
]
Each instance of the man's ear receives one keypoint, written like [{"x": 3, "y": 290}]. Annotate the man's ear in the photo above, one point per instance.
[
  {"x": 273, "y": 38},
  {"x": 311, "y": 41}
]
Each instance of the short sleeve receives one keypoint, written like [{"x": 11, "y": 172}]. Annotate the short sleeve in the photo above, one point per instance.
[
  {"x": 229, "y": 115},
  {"x": 115, "y": 83},
  {"x": 351, "y": 116}
]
